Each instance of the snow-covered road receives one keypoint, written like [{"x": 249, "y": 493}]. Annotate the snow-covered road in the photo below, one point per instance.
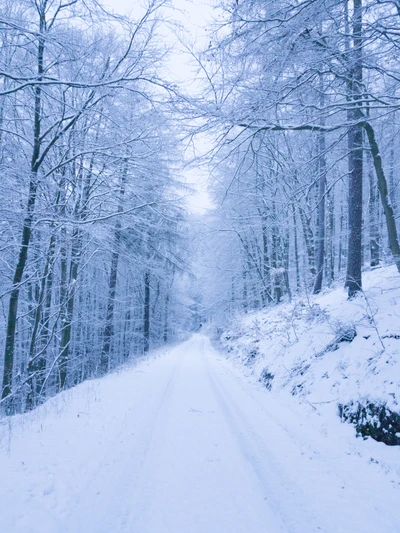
[{"x": 182, "y": 444}]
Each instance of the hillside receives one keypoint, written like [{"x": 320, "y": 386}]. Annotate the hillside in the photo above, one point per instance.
[{"x": 337, "y": 357}]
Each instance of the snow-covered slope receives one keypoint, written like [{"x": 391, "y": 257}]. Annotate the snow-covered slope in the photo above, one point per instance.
[{"x": 338, "y": 357}]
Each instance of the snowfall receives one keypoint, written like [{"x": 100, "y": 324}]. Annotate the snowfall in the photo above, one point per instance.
[{"x": 235, "y": 433}]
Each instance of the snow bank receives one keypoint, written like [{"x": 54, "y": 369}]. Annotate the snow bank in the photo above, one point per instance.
[
  {"x": 48, "y": 455},
  {"x": 335, "y": 356}
]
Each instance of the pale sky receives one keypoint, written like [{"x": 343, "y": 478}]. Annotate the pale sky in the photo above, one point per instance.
[{"x": 194, "y": 16}]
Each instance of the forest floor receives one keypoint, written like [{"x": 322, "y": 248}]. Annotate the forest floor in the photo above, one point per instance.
[{"x": 184, "y": 443}]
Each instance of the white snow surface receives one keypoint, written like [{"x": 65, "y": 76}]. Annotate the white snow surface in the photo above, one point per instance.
[
  {"x": 290, "y": 341},
  {"x": 185, "y": 443}
]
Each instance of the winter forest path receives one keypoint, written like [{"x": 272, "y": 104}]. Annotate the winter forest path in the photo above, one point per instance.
[{"x": 191, "y": 447}]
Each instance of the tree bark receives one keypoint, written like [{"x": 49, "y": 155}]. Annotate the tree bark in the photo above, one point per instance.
[
  {"x": 27, "y": 223},
  {"x": 355, "y": 160},
  {"x": 383, "y": 191},
  {"x": 320, "y": 263},
  {"x": 265, "y": 260},
  {"x": 373, "y": 214},
  {"x": 37, "y": 363},
  {"x": 308, "y": 240},
  {"x": 146, "y": 312},
  {"x": 67, "y": 315},
  {"x": 166, "y": 312},
  {"x": 112, "y": 285},
  {"x": 296, "y": 249}
]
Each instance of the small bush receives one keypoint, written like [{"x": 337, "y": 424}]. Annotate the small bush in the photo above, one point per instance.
[
  {"x": 345, "y": 333},
  {"x": 252, "y": 355},
  {"x": 373, "y": 420},
  {"x": 266, "y": 378}
]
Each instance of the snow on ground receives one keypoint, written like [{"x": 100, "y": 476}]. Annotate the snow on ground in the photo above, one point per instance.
[
  {"x": 289, "y": 341},
  {"x": 293, "y": 349},
  {"x": 184, "y": 443}
]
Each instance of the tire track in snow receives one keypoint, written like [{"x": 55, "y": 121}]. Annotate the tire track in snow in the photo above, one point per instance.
[
  {"x": 135, "y": 484},
  {"x": 335, "y": 496},
  {"x": 125, "y": 462},
  {"x": 195, "y": 479},
  {"x": 285, "y": 498}
]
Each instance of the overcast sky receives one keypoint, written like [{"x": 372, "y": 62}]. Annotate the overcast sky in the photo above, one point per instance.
[
  {"x": 194, "y": 16},
  {"x": 195, "y": 12}
]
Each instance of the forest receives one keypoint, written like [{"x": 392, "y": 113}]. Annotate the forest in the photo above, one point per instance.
[
  {"x": 101, "y": 258},
  {"x": 304, "y": 97}
]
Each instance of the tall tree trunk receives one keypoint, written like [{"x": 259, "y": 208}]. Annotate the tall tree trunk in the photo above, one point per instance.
[
  {"x": 320, "y": 263},
  {"x": 27, "y": 224},
  {"x": 48, "y": 300},
  {"x": 146, "y": 312},
  {"x": 127, "y": 333},
  {"x": 331, "y": 243},
  {"x": 37, "y": 362},
  {"x": 67, "y": 315},
  {"x": 308, "y": 240},
  {"x": 109, "y": 327},
  {"x": 373, "y": 213},
  {"x": 112, "y": 285},
  {"x": 296, "y": 249},
  {"x": 166, "y": 311},
  {"x": 355, "y": 147},
  {"x": 286, "y": 254},
  {"x": 265, "y": 260},
  {"x": 342, "y": 249},
  {"x": 68, "y": 285},
  {"x": 383, "y": 191},
  {"x": 245, "y": 287},
  {"x": 276, "y": 256}
]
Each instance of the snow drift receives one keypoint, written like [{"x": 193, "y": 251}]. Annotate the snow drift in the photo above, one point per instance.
[{"x": 338, "y": 356}]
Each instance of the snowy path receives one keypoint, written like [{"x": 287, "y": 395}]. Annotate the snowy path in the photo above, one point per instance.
[{"x": 185, "y": 445}]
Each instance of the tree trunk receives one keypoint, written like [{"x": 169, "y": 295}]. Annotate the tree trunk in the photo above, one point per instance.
[
  {"x": 308, "y": 240},
  {"x": 320, "y": 263},
  {"x": 342, "y": 248},
  {"x": 127, "y": 333},
  {"x": 146, "y": 312},
  {"x": 355, "y": 146},
  {"x": 37, "y": 363},
  {"x": 27, "y": 227},
  {"x": 245, "y": 290},
  {"x": 67, "y": 315},
  {"x": 331, "y": 243},
  {"x": 109, "y": 327},
  {"x": 383, "y": 191},
  {"x": 373, "y": 213},
  {"x": 296, "y": 249},
  {"x": 286, "y": 254},
  {"x": 112, "y": 285},
  {"x": 265, "y": 260},
  {"x": 166, "y": 312}
]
